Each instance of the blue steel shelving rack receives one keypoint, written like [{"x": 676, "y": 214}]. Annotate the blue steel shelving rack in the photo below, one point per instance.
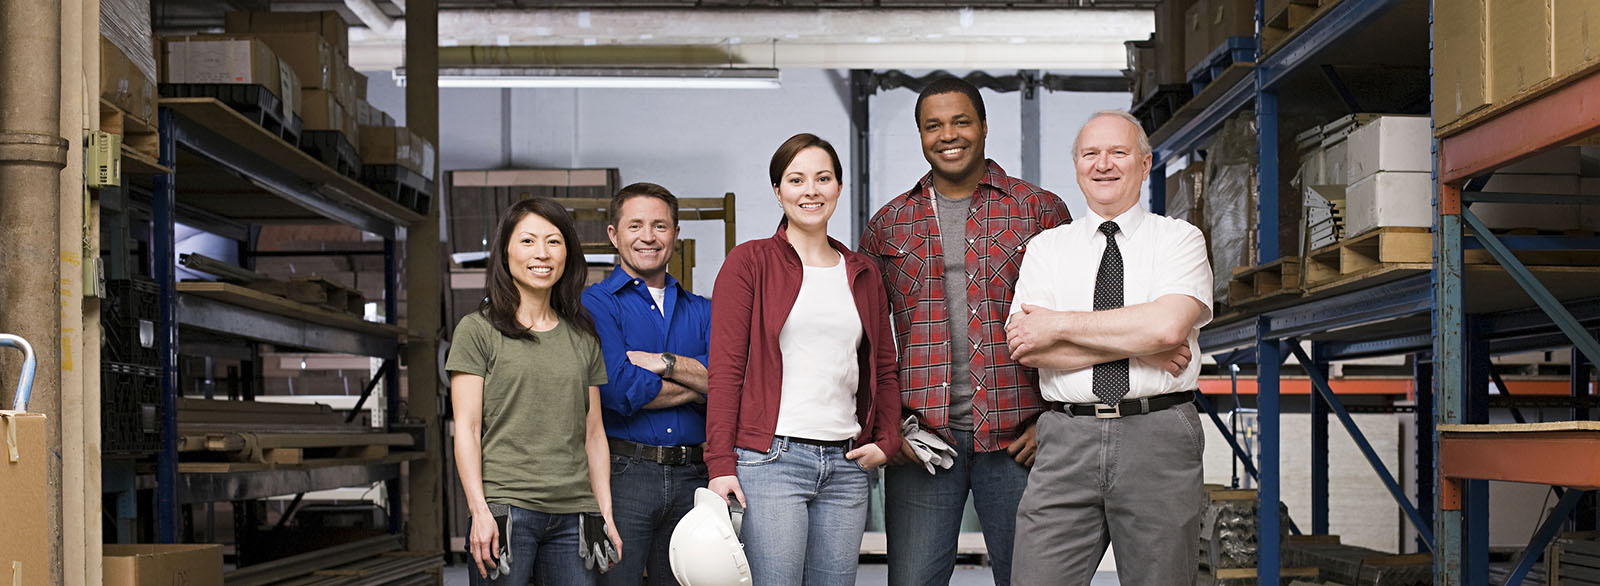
[
  {"x": 1387, "y": 319},
  {"x": 322, "y": 201}
]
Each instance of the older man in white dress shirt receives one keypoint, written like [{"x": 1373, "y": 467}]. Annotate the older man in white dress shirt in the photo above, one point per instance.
[{"x": 1108, "y": 308}]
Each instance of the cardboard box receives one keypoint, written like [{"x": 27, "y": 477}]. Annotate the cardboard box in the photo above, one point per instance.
[
  {"x": 1557, "y": 161},
  {"x": 1519, "y": 47},
  {"x": 422, "y": 149},
  {"x": 360, "y": 82},
  {"x": 1390, "y": 143},
  {"x": 162, "y": 565},
  {"x": 308, "y": 54},
  {"x": 25, "y": 542},
  {"x": 347, "y": 88},
  {"x": 224, "y": 59},
  {"x": 1231, "y": 18},
  {"x": 288, "y": 90},
  {"x": 329, "y": 24},
  {"x": 320, "y": 111},
  {"x": 1590, "y": 213},
  {"x": 1577, "y": 34},
  {"x": 124, "y": 84},
  {"x": 1389, "y": 199},
  {"x": 1170, "y": 45},
  {"x": 1196, "y": 34},
  {"x": 1460, "y": 59},
  {"x": 387, "y": 146},
  {"x": 1536, "y": 216}
]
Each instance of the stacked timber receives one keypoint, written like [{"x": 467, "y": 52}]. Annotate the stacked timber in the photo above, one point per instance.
[
  {"x": 1230, "y": 539},
  {"x": 377, "y": 561},
  {"x": 236, "y": 436},
  {"x": 1358, "y": 566}
]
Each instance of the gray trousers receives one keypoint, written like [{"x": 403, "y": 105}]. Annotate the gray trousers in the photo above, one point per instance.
[{"x": 1133, "y": 481}]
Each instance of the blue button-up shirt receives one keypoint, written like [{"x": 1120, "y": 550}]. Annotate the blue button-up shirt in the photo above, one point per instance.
[{"x": 626, "y": 317}]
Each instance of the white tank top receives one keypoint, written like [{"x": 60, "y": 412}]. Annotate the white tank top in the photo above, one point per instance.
[{"x": 820, "y": 372}]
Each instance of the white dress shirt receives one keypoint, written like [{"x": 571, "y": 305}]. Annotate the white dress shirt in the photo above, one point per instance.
[{"x": 1160, "y": 256}]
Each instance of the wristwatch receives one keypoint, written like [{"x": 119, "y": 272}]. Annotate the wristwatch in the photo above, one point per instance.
[{"x": 667, "y": 357}]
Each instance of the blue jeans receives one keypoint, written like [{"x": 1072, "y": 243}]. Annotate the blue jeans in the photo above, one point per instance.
[
  {"x": 647, "y": 500},
  {"x": 806, "y": 508},
  {"x": 543, "y": 546},
  {"x": 922, "y": 513}
]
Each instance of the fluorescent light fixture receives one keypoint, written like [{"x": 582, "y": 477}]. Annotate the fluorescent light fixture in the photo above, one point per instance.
[{"x": 605, "y": 78}]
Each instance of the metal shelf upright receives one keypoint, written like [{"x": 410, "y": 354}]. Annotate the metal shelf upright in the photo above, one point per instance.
[
  {"x": 1523, "y": 453},
  {"x": 244, "y": 173},
  {"x": 1362, "y": 322}
]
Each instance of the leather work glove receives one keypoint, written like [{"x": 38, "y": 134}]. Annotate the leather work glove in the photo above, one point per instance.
[{"x": 594, "y": 547}]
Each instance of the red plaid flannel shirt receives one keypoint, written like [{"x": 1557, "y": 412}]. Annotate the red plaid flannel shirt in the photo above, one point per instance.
[{"x": 904, "y": 238}]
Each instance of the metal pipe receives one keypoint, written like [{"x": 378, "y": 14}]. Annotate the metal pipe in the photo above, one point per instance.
[
  {"x": 32, "y": 156},
  {"x": 25, "y": 377}
]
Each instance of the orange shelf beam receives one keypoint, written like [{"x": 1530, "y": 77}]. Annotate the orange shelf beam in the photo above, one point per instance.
[
  {"x": 1560, "y": 458},
  {"x": 1554, "y": 119},
  {"x": 1395, "y": 386}
]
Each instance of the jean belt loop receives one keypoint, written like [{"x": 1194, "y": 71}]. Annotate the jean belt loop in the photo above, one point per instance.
[
  {"x": 849, "y": 444},
  {"x": 783, "y": 443}
]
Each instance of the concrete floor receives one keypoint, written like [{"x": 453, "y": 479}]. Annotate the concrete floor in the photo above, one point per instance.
[{"x": 869, "y": 575}]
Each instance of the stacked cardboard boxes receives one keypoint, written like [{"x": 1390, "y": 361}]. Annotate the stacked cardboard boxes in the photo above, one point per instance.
[
  {"x": 125, "y": 84},
  {"x": 1387, "y": 163},
  {"x": 478, "y": 197},
  {"x": 1490, "y": 52},
  {"x": 317, "y": 45},
  {"x": 1159, "y": 60},
  {"x": 1209, "y": 23},
  {"x": 398, "y": 146},
  {"x": 231, "y": 59}
]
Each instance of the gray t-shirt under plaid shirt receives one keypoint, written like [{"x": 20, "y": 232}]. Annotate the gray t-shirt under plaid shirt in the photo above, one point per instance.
[{"x": 953, "y": 238}]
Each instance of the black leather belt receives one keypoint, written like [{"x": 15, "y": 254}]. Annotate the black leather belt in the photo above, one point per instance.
[
  {"x": 1125, "y": 408},
  {"x": 665, "y": 455},
  {"x": 844, "y": 443}
]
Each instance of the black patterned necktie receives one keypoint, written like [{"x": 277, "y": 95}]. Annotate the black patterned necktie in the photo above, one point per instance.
[{"x": 1110, "y": 378}]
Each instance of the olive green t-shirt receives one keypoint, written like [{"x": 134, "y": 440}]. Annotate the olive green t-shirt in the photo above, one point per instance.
[{"x": 535, "y": 401}]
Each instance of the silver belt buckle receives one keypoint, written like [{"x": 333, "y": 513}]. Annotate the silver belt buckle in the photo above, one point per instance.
[{"x": 1104, "y": 411}]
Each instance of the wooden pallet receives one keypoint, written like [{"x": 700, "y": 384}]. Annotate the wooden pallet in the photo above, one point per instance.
[
  {"x": 1290, "y": 20},
  {"x": 1247, "y": 576},
  {"x": 141, "y": 141},
  {"x": 1276, "y": 280},
  {"x": 1383, "y": 251}
]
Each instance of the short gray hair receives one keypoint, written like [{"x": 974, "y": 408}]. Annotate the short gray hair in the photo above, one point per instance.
[{"x": 1144, "y": 139}]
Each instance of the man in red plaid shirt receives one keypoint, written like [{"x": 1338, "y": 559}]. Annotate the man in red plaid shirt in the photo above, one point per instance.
[{"x": 957, "y": 377}]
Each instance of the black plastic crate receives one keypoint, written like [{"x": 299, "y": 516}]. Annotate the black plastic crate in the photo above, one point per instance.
[
  {"x": 402, "y": 185},
  {"x": 256, "y": 102},
  {"x": 332, "y": 148},
  {"x": 128, "y": 322},
  {"x": 130, "y": 410}
]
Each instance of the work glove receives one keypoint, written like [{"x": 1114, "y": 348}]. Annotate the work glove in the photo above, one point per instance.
[
  {"x": 594, "y": 547},
  {"x": 930, "y": 450},
  {"x": 502, "y": 522}
]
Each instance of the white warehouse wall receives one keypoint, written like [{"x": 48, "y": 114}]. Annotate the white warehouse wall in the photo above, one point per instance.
[{"x": 708, "y": 142}]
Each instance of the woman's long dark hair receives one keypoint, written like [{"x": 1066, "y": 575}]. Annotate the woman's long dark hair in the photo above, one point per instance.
[{"x": 566, "y": 298}]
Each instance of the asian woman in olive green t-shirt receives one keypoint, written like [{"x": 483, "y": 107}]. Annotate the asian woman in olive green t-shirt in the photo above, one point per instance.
[{"x": 525, "y": 371}]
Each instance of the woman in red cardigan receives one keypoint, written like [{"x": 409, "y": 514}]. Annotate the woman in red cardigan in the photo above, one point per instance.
[{"x": 804, "y": 392}]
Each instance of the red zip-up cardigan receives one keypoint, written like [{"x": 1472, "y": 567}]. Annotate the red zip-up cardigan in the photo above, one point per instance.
[{"x": 755, "y": 291}]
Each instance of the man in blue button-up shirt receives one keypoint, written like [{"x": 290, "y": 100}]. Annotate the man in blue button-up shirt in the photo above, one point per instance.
[{"x": 655, "y": 336}]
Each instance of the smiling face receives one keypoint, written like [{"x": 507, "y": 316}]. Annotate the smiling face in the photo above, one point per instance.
[
  {"x": 1110, "y": 165},
  {"x": 537, "y": 254},
  {"x": 952, "y": 136},
  {"x": 644, "y": 235},
  {"x": 808, "y": 190}
]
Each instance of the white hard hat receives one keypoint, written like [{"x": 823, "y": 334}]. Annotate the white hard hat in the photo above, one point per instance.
[{"x": 705, "y": 545}]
